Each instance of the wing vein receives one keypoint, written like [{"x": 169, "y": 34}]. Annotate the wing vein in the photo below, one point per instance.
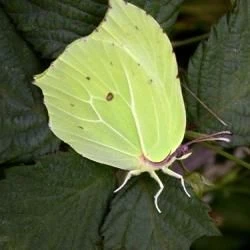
[
  {"x": 96, "y": 142},
  {"x": 77, "y": 117},
  {"x": 113, "y": 129},
  {"x": 157, "y": 123},
  {"x": 133, "y": 109},
  {"x": 114, "y": 82},
  {"x": 96, "y": 121},
  {"x": 67, "y": 94},
  {"x": 93, "y": 73},
  {"x": 71, "y": 75}
]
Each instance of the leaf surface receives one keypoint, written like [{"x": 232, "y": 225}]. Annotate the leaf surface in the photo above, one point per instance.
[
  {"x": 134, "y": 222},
  {"x": 58, "y": 203},
  {"x": 219, "y": 75},
  {"x": 51, "y": 25},
  {"x": 24, "y": 131}
]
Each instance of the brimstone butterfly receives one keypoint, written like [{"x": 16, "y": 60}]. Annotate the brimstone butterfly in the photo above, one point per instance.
[{"x": 115, "y": 97}]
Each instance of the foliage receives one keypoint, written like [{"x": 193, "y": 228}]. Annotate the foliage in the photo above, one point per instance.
[
  {"x": 221, "y": 64},
  {"x": 59, "y": 200}
]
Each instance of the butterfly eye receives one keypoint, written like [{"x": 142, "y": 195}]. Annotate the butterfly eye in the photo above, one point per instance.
[{"x": 181, "y": 151}]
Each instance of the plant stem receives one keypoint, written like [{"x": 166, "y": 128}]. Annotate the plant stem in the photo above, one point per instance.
[
  {"x": 231, "y": 157},
  {"x": 190, "y": 40}
]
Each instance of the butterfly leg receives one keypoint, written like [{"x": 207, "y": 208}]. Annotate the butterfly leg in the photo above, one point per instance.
[
  {"x": 129, "y": 175},
  {"x": 178, "y": 176},
  {"x": 158, "y": 180}
]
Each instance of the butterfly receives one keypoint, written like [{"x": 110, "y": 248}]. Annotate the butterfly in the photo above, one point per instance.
[{"x": 115, "y": 96}]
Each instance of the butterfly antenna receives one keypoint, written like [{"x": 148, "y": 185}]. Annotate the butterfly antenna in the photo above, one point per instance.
[
  {"x": 219, "y": 136},
  {"x": 204, "y": 105}
]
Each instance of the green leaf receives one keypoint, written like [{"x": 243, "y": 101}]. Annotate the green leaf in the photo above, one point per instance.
[
  {"x": 233, "y": 2},
  {"x": 231, "y": 206},
  {"x": 164, "y": 11},
  {"x": 51, "y": 25},
  {"x": 134, "y": 222},
  {"x": 59, "y": 203},
  {"x": 219, "y": 76},
  {"x": 24, "y": 131},
  {"x": 226, "y": 203}
]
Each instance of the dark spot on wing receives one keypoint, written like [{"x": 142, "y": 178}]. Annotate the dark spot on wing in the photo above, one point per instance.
[
  {"x": 139, "y": 64},
  {"x": 109, "y": 96},
  {"x": 80, "y": 127},
  {"x": 150, "y": 81},
  {"x": 136, "y": 27},
  {"x": 111, "y": 63},
  {"x": 88, "y": 78},
  {"x": 72, "y": 105}
]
